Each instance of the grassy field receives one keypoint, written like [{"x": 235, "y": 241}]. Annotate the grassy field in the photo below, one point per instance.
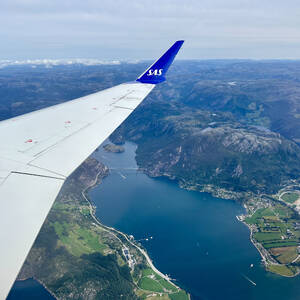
[
  {"x": 285, "y": 255},
  {"x": 277, "y": 233},
  {"x": 282, "y": 270},
  {"x": 147, "y": 272},
  {"x": 150, "y": 281},
  {"x": 149, "y": 284},
  {"x": 290, "y": 197},
  {"x": 285, "y": 244},
  {"x": 259, "y": 214},
  {"x": 265, "y": 237},
  {"x": 181, "y": 295},
  {"x": 79, "y": 240},
  {"x": 167, "y": 285}
]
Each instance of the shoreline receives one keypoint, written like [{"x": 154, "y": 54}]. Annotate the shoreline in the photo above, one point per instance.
[
  {"x": 113, "y": 231},
  {"x": 41, "y": 283},
  {"x": 266, "y": 259},
  {"x": 217, "y": 192}
]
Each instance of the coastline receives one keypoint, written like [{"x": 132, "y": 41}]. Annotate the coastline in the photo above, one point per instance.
[
  {"x": 267, "y": 260},
  {"x": 113, "y": 231},
  {"x": 41, "y": 283},
  {"x": 242, "y": 197},
  {"x": 264, "y": 259},
  {"x": 46, "y": 288}
]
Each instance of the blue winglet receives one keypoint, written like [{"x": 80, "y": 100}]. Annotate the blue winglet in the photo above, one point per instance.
[{"x": 157, "y": 71}]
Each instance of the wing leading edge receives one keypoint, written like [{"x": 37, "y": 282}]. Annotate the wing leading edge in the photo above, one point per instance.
[{"x": 41, "y": 149}]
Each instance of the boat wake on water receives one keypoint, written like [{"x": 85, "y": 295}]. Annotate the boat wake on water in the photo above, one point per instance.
[{"x": 247, "y": 278}]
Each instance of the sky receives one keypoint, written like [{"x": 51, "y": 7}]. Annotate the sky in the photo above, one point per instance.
[{"x": 136, "y": 29}]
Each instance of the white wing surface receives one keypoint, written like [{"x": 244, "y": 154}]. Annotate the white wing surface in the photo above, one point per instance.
[{"x": 41, "y": 149}]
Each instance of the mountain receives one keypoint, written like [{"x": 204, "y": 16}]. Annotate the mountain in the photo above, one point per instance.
[
  {"x": 231, "y": 124},
  {"x": 198, "y": 148}
]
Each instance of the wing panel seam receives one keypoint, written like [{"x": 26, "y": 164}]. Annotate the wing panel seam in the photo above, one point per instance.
[
  {"x": 132, "y": 109},
  {"x": 38, "y": 175}
]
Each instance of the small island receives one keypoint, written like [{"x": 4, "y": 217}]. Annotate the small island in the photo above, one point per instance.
[{"x": 113, "y": 148}]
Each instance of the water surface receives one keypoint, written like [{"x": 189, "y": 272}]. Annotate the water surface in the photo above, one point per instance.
[
  {"x": 29, "y": 289},
  {"x": 196, "y": 237}
]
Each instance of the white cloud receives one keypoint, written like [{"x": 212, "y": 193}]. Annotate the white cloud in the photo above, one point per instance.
[
  {"x": 57, "y": 62},
  {"x": 122, "y": 29}
]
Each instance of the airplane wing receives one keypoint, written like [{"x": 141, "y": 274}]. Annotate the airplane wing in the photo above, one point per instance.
[{"x": 39, "y": 150}]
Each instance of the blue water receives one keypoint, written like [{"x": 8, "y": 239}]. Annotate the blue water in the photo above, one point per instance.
[
  {"x": 196, "y": 237},
  {"x": 29, "y": 289}
]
